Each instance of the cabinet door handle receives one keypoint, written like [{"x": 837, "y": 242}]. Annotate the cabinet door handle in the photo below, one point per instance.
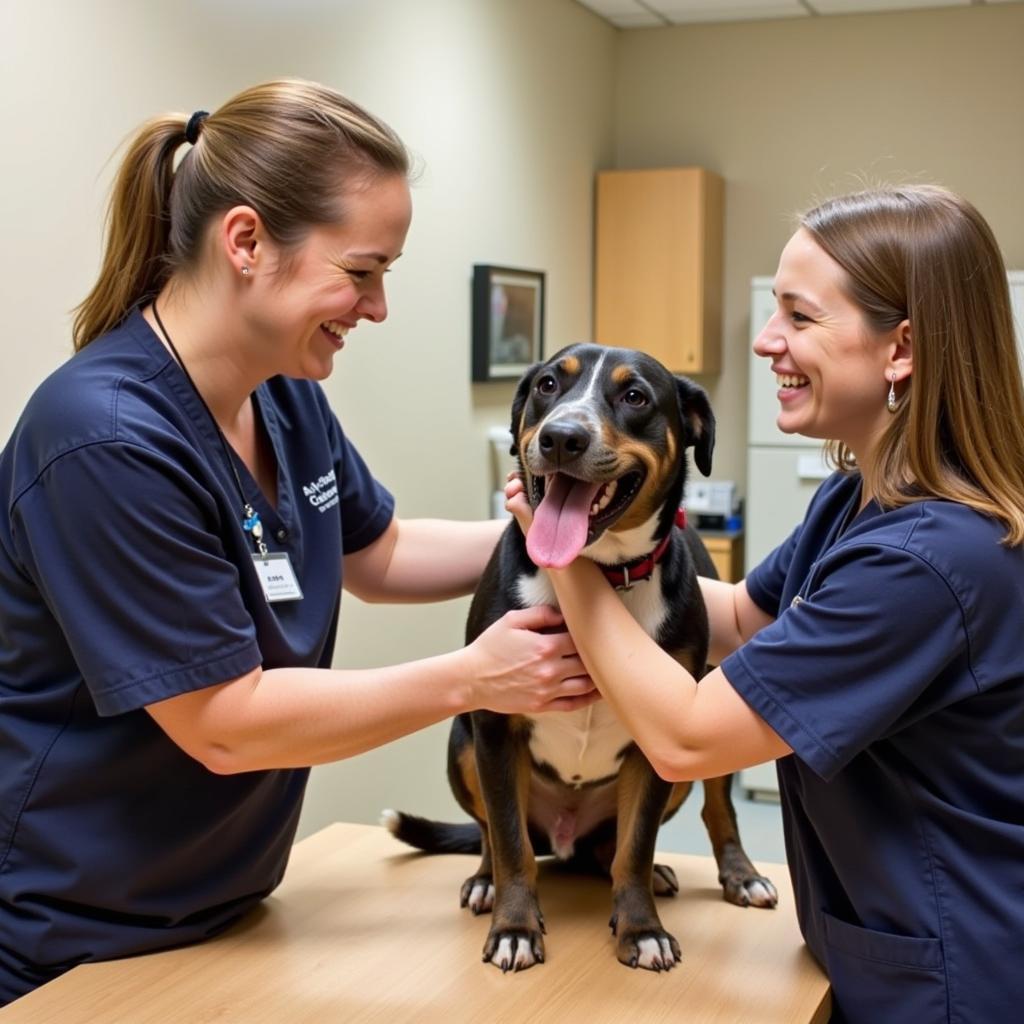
[{"x": 812, "y": 467}]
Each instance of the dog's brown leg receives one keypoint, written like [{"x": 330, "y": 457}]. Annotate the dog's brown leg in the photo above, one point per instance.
[
  {"x": 477, "y": 892},
  {"x": 642, "y": 798},
  {"x": 741, "y": 883},
  {"x": 665, "y": 881},
  {"x": 503, "y": 764},
  {"x": 664, "y": 878}
]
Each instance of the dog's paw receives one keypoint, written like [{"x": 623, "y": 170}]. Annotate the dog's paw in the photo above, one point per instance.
[
  {"x": 653, "y": 949},
  {"x": 477, "y": 894},
  {"x": 514, "y": 949},
  {"x": 665, "y": 881},
  {"x": 750, "y": 891}
]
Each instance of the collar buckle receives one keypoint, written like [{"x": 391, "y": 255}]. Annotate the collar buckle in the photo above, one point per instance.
[
  {"x": 619, "y": 575},
  {"x": 625, "y": 584}
]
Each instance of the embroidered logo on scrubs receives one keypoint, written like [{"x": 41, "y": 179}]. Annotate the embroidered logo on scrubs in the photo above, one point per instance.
[{"x": 322, "y": 492}]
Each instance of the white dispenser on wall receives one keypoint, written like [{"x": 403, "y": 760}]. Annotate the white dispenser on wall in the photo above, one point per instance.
[{"x": 502, "y": 463}]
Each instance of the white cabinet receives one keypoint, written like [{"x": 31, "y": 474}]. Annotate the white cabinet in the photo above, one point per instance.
[
  {"x": 784, "y": 470},
  {"x": 781, "y": 480},
  {"x": 1017, "y": 302},
  {"x": 763, "y": 403}
]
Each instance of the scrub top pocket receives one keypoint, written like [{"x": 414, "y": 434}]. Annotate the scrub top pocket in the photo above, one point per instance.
[{"x": 880, "y": 978}]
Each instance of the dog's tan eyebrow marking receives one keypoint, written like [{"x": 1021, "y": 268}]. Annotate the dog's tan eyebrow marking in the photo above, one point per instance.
[
  {"x": 570, "y": 364},
  {"x": 622, "y": 373}
]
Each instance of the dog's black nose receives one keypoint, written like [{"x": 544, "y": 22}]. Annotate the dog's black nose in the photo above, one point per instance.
[{"x": 563, "y": 441}]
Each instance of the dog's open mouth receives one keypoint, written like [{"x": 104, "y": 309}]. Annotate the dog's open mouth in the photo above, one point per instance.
[{"x": 569, "y": 514}]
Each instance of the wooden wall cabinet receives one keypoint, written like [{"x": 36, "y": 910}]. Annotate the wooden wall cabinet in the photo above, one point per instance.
[{"x": 658, "y": 265}]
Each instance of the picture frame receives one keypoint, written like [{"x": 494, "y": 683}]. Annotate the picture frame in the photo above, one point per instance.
[{"x": 508, "y": 321}]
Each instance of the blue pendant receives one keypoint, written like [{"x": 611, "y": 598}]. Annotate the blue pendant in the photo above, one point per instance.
[{"x": 251, "y": 524}]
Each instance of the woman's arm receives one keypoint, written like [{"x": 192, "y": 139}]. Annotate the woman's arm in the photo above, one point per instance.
[
  {"x": 733, "y": 618},
  {"x": 687, "y": 731},
  {"x": 285, "y": 718},
  {"x": 422, "y": 560}
]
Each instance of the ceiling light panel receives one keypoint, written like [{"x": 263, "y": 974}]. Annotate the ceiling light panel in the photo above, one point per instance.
[
  {"x": 683, "y": 11},
  {"x": 864, "y": 6}
]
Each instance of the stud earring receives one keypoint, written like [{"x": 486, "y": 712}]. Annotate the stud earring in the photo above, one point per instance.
[
  {"x": 245, "y": 271},
  {"x": 890, "y": 401}
]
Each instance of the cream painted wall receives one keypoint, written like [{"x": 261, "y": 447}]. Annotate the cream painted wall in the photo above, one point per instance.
[
  {"x": 793, "y": 110},
  {"x": 510, "y": 106},
  {"x": 507, "y": 105}
]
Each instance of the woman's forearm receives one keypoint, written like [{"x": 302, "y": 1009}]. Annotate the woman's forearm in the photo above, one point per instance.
[
  {"x": 650, "y": 692},
  {"x": 289, "y": 718},
  {"x": 423, "y": 560},
  {"x": 292, "y": 717},
  {"x": 733, "y": 618},
  {"x": 443, "y": 556}
]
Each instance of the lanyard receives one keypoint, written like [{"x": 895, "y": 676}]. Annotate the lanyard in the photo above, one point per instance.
[{"x": 250, "y": 517}]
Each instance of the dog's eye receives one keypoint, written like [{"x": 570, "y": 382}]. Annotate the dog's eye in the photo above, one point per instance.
[
  {"x": 547, "y": 385},
  {"x": 635, "y": 397}
]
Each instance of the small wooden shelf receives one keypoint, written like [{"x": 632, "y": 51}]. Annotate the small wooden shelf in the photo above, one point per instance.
[{"x": 726, "y": 550}]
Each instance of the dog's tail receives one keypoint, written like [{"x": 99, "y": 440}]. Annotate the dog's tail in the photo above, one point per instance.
[{"x": 432, "y": 836}]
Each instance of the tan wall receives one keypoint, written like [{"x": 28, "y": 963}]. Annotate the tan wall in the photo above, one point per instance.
[
  {"x": 507, "y": 105},
  {"x": 793, "y": 110},
  {"x": 511, "y": 105}
]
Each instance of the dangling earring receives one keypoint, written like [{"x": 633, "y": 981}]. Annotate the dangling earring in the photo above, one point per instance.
[
  {"x": 890, "y": 401},
  {"x": 245, "y": 271}
]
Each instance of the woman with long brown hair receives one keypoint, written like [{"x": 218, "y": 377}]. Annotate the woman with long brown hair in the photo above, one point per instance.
[
  {"x": 180, "y": 512},
  {"x": 877, "y": 653}
]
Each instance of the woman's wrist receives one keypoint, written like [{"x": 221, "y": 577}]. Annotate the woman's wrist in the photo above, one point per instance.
[{"x": 459, "y": 678}]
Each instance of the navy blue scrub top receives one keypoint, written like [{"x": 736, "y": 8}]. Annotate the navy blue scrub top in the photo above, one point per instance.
[
  {"x": 126, "y": 578},
  {"x": 895, "y": 671}
]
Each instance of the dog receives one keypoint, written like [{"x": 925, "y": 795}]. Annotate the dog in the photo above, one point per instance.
[{"x": 600, "y": 435}]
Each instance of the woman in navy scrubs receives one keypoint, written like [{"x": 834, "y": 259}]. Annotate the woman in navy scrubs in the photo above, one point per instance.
[
  {"x": 877, "y": 654},
  {"x": 179, "y": 511}
]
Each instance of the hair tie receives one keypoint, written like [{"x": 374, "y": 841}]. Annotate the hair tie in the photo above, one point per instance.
[{"x": 195, "y": 122}]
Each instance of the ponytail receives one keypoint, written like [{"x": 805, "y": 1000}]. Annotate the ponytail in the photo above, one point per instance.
[
  {"x": 287, "y": 148},
  {"x": 138, "y": 228}
]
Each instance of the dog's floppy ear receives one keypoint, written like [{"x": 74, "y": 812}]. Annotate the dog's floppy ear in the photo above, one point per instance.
[
  {"x": 698, "y": 422},
  {"x": 519, "y": 403}
]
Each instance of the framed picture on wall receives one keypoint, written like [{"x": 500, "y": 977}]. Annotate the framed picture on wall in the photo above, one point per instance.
[{"x": 508, "y": 321}]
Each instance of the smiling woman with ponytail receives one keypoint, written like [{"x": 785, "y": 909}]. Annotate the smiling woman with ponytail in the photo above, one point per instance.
[{"x": 180, "y": 511}]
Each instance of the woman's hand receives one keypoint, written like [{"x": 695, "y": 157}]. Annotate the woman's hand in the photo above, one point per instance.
[
  {"x": 516, "y": 502},
  {"x": 515, "y": 669}
]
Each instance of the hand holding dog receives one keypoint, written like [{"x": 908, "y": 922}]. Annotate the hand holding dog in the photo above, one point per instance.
[
  {"x": 516, "y": 502},
  {"x": 516, "y": 669}
]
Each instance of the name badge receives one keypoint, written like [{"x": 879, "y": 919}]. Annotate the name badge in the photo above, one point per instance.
[{"x": 277, "y": 577}]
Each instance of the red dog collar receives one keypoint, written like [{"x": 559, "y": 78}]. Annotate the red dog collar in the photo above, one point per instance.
[{"x": 622, "y": 577}]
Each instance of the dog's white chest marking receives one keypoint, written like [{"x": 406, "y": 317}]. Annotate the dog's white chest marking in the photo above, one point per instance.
[
  {"x": 585, "y": 745},
  {"x": 580, "y": 745}
]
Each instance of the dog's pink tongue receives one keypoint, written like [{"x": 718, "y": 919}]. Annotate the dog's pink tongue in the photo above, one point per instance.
[{"x": 559, "y": 530}]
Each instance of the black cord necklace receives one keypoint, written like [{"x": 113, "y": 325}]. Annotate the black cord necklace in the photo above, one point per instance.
[{"x": 250, "y": 517}]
